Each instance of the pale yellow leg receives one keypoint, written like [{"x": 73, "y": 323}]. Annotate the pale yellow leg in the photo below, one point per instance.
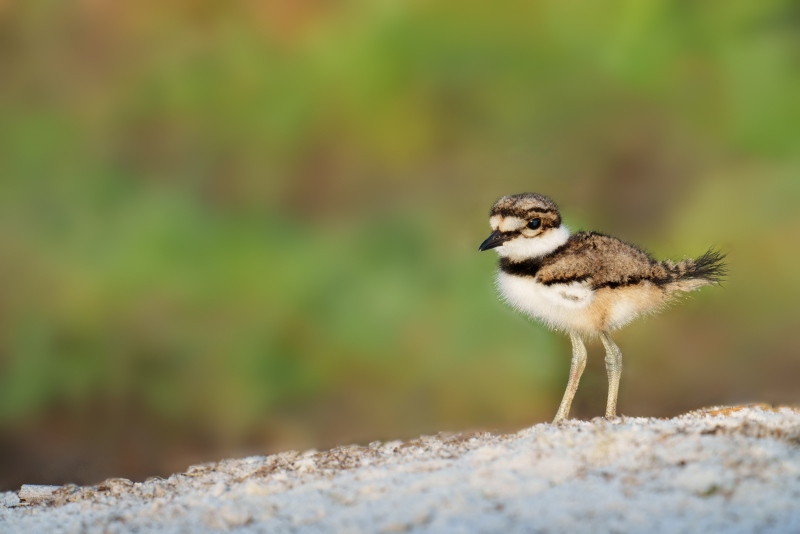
[
  {"x": 614, "y": 369},
  {"x": 575, "y": 372}
]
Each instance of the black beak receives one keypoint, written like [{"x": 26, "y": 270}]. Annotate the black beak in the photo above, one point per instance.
[{"x": 494, "y": 240}]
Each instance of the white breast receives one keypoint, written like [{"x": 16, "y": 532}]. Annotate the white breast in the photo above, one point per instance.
[{"x": 559, "y": 306}]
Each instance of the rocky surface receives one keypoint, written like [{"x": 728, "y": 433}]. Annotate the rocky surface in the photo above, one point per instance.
[{"x": 724, "y": 469}]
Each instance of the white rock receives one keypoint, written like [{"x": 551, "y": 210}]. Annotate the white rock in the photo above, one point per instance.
[{"x": 724, "y": 470}]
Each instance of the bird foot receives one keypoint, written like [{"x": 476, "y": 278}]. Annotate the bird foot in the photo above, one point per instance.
[{"x": 607, "y": 419}]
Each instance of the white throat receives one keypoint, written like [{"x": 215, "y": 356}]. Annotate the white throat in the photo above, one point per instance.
[{"x": 521, "y": 248}]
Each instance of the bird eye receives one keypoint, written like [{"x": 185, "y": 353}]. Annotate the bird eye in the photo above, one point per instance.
[{"x": 535, "y": 223}]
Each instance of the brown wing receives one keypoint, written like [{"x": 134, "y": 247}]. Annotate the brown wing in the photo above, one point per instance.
[{"x": 600, "y": 261}]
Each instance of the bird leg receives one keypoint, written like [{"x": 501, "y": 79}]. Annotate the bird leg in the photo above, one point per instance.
[
  {"x": 614, "y": 369},
  {"x": 575, "y": 371}
]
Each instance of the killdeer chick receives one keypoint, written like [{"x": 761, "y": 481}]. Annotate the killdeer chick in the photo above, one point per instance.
[{"x": 585, "y": 284}]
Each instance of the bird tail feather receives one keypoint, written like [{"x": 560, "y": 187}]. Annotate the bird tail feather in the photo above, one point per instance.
[{"x": 694, "y": 273}]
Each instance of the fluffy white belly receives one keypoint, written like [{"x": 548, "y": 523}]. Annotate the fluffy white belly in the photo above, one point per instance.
[{"x": 559, "y": 306}]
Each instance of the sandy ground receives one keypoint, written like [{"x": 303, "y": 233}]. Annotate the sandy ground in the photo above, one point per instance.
[{"x": 731, "y": 470}]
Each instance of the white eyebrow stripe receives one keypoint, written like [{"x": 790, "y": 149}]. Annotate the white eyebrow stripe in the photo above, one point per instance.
[
  {"x": 509, "y": 224},
  {"x": 494, "y": 221}
]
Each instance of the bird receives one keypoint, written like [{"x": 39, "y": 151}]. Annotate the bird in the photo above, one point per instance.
[{"x": 585, "y": 284}]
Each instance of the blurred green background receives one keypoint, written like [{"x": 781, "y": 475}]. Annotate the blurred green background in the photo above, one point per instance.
[{"x": 235, "y": 228}]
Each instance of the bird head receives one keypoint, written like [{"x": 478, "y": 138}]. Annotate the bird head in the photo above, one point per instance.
[{"x": 525, "y": 226}]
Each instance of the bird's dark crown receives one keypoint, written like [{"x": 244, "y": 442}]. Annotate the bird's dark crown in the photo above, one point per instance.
[{"x": 527, "y": 206}]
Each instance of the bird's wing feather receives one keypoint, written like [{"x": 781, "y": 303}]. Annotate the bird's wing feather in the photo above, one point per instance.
[{"x": 597, "y": 260}]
